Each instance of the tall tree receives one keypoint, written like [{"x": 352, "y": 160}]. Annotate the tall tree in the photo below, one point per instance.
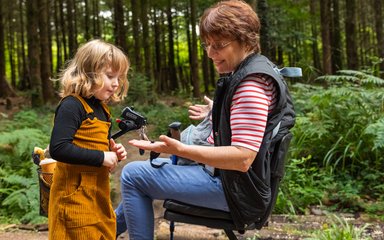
[
  {"x": 45, "y": 53},
  {"x": 63, "y": 28},
  {"x": 265, "y": 41},
  {"x": 205, "y": 68},
  {"x": 336, "y": 49},
  {"x": 146, "y": 38},
  {"x": 157, "y": 40},
  {"x": 34, "y": 52},
  {"x": 194, "y": 65},
  {"x": 96, "y": 19},
  {"x": 351, "y": 34},
  {"x": 325, "y": 12},
  {"x": 24, "y": 76},
  {"x": 171, "y": 60},
  {"x": 378, "y": 7},
  {"x": 59, "y": 60},
  {"x": 315, "y": 49},
  {"x": 5, "y": 89},
  {"x": 87, "y": 34},
  {"x": 72, "y": 41},
  {"x": 11, "y": 42},
  {"x": 186, "y": 86},
  {"x": 120, "y": 29},
  {"x": 135, "y": 8}
]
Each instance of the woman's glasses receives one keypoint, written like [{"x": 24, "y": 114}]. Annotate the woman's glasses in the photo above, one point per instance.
[{"x": 215, "y": 45}]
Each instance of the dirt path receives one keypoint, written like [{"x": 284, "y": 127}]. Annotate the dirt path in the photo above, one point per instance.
[{"x": 280, "y": 226}]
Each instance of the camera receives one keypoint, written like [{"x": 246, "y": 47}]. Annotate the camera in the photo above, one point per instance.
[{"x": 130, "y": 120}]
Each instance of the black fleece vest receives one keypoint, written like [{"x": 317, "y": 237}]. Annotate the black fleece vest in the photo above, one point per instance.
[{"x": 249, "y": 194}]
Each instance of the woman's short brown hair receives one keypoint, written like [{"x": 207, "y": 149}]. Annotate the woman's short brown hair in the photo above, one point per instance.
[{"x": 232, "y": 19}]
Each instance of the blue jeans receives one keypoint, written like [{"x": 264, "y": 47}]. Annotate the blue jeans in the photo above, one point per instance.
[{"x": 141, "y": 184}]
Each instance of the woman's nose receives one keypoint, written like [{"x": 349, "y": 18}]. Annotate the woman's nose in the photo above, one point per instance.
[{"x": 210, "y": 52}]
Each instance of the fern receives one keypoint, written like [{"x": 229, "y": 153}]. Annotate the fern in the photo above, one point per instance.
[
  {"x": 377, "y": 131},
  {"x": 19, "y": 190},
  {"x": 20, "y": 143},
  {"x": 21, "y": 196},
  {"x": 352, "y": 77}
]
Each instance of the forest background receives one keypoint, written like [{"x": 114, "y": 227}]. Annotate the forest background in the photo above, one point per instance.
[{"x": 336, "y": 157}]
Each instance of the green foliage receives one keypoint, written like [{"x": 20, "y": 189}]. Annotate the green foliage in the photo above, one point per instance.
[
  {"x": 352, "y": 77},
  {"x": 22, "y": 200},
  {"x": 302, "y": 186},
  {"x": 332, "y": 126},
  {"x": 18, "y": 179},
  {"x": 376, "y": 130},
  {"x": 140, "y": 90},
  {"x": 340, "y": 229},
  {"x": 340, "y": 126},
  {"x": 159, "y": 116}
]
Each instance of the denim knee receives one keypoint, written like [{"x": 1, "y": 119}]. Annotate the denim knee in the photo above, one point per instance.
[{"x": 131, "y": 171}]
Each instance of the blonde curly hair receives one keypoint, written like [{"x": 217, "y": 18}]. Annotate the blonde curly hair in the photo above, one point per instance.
[{"x": 83, "y": 75}]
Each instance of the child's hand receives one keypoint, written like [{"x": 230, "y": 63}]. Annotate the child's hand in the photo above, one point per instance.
[
  {"x": 110, "y": 160},
  {"x": 119, "y": 149}
]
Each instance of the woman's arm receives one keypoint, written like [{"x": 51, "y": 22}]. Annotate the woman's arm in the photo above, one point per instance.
[{"x": 224, "y": 157}]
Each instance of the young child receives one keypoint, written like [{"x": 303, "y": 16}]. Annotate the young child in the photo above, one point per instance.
[{"x": 80, "y": 205}]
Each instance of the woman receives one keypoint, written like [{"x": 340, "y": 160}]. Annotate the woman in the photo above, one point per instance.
[{"x": 230, "y": 35}]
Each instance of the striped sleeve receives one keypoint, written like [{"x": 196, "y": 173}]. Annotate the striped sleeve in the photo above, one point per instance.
[{"x": 251, "y": 103}]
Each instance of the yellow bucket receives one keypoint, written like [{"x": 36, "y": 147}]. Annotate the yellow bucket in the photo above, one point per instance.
[{"x": 48, "y": 165}]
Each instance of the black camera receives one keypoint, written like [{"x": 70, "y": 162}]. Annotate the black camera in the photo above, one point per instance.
[{"x": 130, "y": 120}]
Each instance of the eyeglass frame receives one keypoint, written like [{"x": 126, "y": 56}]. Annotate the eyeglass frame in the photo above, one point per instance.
[{"x": 217, "y": 46}]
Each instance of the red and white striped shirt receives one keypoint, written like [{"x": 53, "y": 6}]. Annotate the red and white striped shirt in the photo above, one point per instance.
[{"x": 254, "y": 98}]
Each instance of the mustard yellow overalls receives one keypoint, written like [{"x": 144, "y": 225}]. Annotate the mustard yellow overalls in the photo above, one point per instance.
[{"x": 80, "y": 206}]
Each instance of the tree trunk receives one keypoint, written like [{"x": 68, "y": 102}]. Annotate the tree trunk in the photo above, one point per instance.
[
  {"x": 158, "y": 57},
  {"x": 96, "y": 19},
  {"x": 5, "y": 89},
  {"x": 171, "y": 61},
  {"x": 145, "y": 39},
  {"x": 45, "y": 54},
  {"x": 63, "y": 29},
  {"x": 24, "y": 79},
  {"x": 265, "y": 44},
  {"x": 87, "y": 35},
  {"x": 378, "y": 8},
  {"x": 11, "y": 43},
  {"x": 164, "y": 81},
  {"x": 351, "y": 34},
  {"x": 194, "y": 66},
  {"x": 326, "y": 36},
  {"x": 205, "y": 68},
  {"x": 72, "y": 42},
  {"x": 337, "y": 63},
  {"x": 135, "y": 31},
  {"x": 315, "y": 49},
  {"x": 189, "y": 44},
  {"x": 34, "y": 52},
  {"x": 120, "y": 29},
  {"x": 57, "y": 36}
]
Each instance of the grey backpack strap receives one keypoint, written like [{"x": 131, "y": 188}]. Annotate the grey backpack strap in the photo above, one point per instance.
[{"x": 291, "y": 72}]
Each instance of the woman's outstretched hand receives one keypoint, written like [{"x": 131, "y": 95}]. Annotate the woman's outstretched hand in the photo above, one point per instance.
[
  {"x": 200, "y": 111},
  {"x": 165, "y": 145}
]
